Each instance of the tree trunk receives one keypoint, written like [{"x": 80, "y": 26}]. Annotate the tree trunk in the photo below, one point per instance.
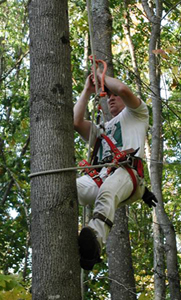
[
  {"x": 121, "y": 273},
  {"x": 102, "y": 33},
  {"x": 159, "y": 260},
  {"x": 55, "y": 260},
  {"x": 156, "y": 168},
  {"x": 122, "y": 285},
  {"x": 126, "y": 28},
  {"x": 158, "y": 245}
]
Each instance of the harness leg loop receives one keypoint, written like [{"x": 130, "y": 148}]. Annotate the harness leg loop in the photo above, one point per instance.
[{"x": 102, "y": 218}]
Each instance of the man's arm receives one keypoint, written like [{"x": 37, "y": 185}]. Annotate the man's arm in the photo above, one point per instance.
[
  {"x": 120, "y": 89},
  {"x": 81, "y": 125}
]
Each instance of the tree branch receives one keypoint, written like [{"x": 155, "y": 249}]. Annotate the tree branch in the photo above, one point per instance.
[
  {"x": 148, "y": 11},
  {"x": 172, "y": 8},
  {"x": 16, "y": 64},
  {"x": 23, "y": 151}
]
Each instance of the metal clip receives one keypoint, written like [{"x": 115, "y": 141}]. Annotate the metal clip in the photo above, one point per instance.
[{"x": 130, "y": 160}]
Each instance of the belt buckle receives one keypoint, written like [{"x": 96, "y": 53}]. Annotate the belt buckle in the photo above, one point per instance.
[
  {"x": 95, "y": 176},
  {"x": 130, "y": 160},
  {"x": 107, "y": 159}
]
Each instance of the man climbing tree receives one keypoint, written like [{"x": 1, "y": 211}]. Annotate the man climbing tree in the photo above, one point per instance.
[{"x": 111, "y": 188}]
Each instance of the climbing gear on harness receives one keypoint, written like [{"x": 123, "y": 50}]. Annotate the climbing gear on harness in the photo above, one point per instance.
[
  {"x": 89, "y": 248},
  {"x": 107, "y": 159},
  {"x": 92, "y": 173},
  {"x": 118, "y": 155},
  {"x": 103, "y": 92},
  {"x": 99, "y": 216},
  {"x": 149, "y": 198}
]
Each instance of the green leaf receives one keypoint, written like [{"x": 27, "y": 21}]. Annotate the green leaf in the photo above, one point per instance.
[{"x": 143, "y": 296}]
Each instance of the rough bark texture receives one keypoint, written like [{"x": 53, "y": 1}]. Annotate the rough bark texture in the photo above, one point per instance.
[
  {"x": 156, "y": 169},
  {"x": 126, "y": 28},
  {"x": 55, "y": 257},
  {"x": 102, "y": 34},
  {"x": 159, "y": 260},
  {"x": 121, "y": 272},
  {"x": 122, "y": 285}
]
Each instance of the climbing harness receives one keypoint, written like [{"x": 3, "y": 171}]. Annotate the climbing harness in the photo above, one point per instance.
[
  {"x": 101, "y": 217},
  {"x": 128, "y": 156},
  {"x": 131, "y": 163},
  {"x": 92, "y": 173}
]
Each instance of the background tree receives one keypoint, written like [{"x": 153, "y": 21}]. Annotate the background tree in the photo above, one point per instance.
[
  {"x": 121, "y": 275},
  {"x": 156, "y": 169},
  {"x": 55, "y": 259}
]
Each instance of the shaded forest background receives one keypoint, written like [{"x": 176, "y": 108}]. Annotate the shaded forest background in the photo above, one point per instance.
[{"x": 15, "y": 246}]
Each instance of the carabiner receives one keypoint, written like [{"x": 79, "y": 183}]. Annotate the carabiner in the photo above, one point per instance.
[{"x": 102, "y": 93}]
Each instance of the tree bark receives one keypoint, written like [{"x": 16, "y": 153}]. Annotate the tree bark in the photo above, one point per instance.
[
  {"x": 156, "y": 155},
  {"x": 55, "y": 259},
  {"x": 121, "y": 273},
  {"x": 126, "y": 28},
  {"x": 122, "y": 285},
  {"x": 159, "y": 260},
  {"x": 102, "y": 33}
]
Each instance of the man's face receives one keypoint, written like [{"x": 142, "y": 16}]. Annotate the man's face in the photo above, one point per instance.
[{"x": 115, "y": 104}]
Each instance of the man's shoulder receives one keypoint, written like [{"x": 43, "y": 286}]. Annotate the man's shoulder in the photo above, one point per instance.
[{"x": 141, "y": 110}]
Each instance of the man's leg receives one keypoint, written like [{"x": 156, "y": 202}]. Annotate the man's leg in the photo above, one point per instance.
[
  {"x": 88, "y": 244},
  {"x": 87, "y": 190},
  {"x": 114, "y": 192}
]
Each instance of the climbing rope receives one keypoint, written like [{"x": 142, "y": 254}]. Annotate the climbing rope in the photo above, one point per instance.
[
  {"x": 88, "y": 2},
  {"x": 55, "y": 171}
]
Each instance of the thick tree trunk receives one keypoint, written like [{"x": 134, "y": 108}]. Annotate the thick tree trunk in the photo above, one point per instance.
[
  {"x": 55, "y": 259},
  {"x": 122, "y": 285},
  {"x": 156, "y": 169}
]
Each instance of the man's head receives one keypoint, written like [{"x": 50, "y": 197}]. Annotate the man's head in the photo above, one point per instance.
[{"x": 115, "y": 104}]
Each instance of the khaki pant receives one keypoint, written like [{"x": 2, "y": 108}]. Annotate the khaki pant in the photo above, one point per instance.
[{"x": 112, "y": 194}]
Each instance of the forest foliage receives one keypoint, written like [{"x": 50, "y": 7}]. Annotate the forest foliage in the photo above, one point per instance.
[{"x": 15, "y": 248}]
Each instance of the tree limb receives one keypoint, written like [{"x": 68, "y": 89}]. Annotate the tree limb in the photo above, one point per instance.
[
  {"x": 16, "y": 64},
  {"x": 172, "y": 8},
  {"x": 23, "y": 151},
  {"x": 148, "y": 10}
]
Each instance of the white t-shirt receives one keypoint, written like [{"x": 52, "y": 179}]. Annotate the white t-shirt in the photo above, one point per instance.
[{"x": 126, "y": 130}]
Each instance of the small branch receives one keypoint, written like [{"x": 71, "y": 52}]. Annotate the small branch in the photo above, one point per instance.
[
  {"x": 172, "y": 8},
  {"x": 148, "y": 10},
  {"x": 7, "y": 191},
  {"x": 117, "y": 282},
  {"x": 16, "y": 64},
  {"x": 26, "y": 256},
  {"x": 22, "y": 197},
  {"x": 23, "y": 151}
]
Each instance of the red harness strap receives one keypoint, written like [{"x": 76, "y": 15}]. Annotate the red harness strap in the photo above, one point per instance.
[
  {"x": 113, "y": 147},
  {"x": 133, "y": 177},
  {"x": 121, "y": 156},
  {"x": 91, "y": 172}
]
